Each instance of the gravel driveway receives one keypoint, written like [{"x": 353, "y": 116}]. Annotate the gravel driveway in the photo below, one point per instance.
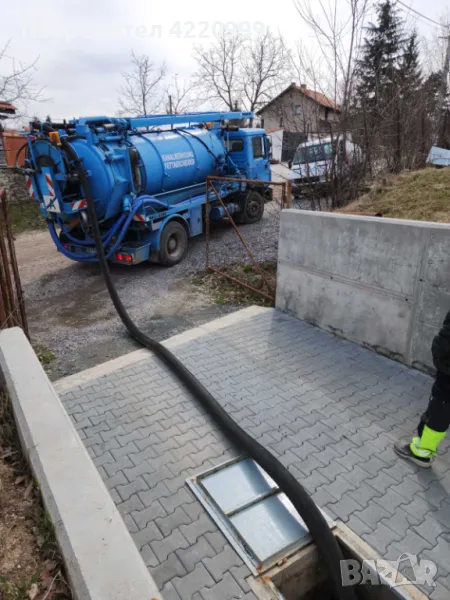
[{"x": 70, "y": 312}]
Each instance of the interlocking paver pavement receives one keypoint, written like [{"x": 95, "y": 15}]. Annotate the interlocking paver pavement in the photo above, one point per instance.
[{"x": 327, "y": 408}]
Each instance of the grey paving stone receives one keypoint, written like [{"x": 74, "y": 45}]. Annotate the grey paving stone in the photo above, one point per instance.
[
  {"x": 390, "y": 501},
  {"x": 198, "y": 579},
  {"x": 202, "y": 525},
  {"x": 148, "y": 534},
  {"x": 227, "y": 589},
  {"x": 130, "y": 505},
  {"x": 217, "y": 540},
  {"x": 114, "y": 466},
  {"x": 193, "y": 510},
  {"x": 159, "y": 491},
  {"x": 437, "y": 551},
  {"x": 149, "y": 556},
  {"x": 221, "y": 563},
  {"x": 330, "y": 409},
  {"x": 441, "y": 590},
  {"x": 408, "y": 488},
  {"x": 345, "y": 507},
  {"x": 171, "y": 543},
  {"x": 168, "y": 571},
  {"x": 381, "y": 537},
  {"x": 137, "y": 485},
  {"x": 431, "y": 528},
  {"x": 372, "y": 514},
  {"x": 358, "y": 526},
  {"x": 415, "y": 544},
  {"x": 169, "y": 592},
  {"x": 195, "y": 553},
  {"x": 339, "y": 487},
  {"x": 154, "y": 512},
  {"x": 174, "y": 500}
]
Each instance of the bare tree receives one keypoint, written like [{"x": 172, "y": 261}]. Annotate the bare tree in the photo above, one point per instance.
[
  {"x": 219, "y": 67},
  {"x": 243, "y": 72},
  {"x": 338, "y": 42},
  {"x": 179, "y": 96},
  {"x": 331, "y": 68},
  {"x": 265, "y": 69},
  {"x": 17, "y": 80},
  {"x": 141, "y": 93}
]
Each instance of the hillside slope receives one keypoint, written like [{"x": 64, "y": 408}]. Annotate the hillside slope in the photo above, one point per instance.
[{"x": 422, "y": 195}]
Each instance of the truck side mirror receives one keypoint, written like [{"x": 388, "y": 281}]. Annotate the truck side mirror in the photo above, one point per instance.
[{"x": 290, "y": 164}]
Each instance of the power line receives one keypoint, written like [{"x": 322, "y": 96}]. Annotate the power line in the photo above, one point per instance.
[{"x": 410, "y": 8}]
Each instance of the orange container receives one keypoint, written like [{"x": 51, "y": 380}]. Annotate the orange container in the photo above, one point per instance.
[{"x": 12, "y": 141}]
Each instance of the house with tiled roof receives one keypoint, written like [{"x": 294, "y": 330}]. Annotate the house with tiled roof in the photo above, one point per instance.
[{"x": 299, "y": 109}]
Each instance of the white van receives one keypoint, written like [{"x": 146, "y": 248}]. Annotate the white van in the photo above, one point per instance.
[{"x": 313, "y": 160}]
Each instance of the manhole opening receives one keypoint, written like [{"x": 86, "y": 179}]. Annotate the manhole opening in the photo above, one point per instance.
[
  {"x": 302, "y": 577},
  {"x": 272, "y": 539},
  {"x": 249, "y": 508}
]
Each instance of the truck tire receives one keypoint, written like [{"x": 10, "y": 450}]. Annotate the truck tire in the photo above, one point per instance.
[
  {"x": 253, "y": 208},
  {"x": 173, "y": 244}
]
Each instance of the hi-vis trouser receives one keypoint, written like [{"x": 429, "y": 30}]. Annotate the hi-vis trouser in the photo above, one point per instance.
[{"x": 435, "y": 421}]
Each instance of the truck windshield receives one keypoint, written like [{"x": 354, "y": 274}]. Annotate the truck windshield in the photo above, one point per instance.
[{"x": 316, "y": 153}]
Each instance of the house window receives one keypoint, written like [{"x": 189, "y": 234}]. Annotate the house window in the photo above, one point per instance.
[
  {"x": 298, "y": 109},
  {"x": 252, "y": 511},
  {"x": 281, "y": 121},
  {"x": 259, "y": 150}
]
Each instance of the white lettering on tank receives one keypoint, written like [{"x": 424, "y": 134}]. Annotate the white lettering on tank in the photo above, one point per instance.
[
  {"x": 176, "y": 164},
  {"x": 178, "y": 159}
]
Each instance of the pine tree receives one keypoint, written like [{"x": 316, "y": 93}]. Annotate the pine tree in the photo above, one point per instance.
[
  {"x": 410, "y": 75},
  {"x": 378, "y": 69}
]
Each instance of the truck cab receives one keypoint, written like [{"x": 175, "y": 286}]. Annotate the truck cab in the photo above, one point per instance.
[{"x": 249, "y": 149}]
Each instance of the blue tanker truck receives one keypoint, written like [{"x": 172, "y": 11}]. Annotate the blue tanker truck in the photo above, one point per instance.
[{"x": 147, "y": 177}]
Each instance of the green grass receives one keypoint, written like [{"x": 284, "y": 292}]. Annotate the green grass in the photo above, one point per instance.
[
  {"x": 44, "y": 355},
  {"x": 421, "y": 195},
  {"x": 223, "y": 291},
  {"x": 25, "y": 216}
]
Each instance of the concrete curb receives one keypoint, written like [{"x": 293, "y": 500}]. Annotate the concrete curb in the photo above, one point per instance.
[
  {"x": 101, "y": 558},
  {"x": 65, "y": 384}
]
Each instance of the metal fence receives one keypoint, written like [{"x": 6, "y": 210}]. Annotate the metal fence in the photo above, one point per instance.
[
  {"x": 12, "y": 303},
  {"x": 246, "y": 254}
]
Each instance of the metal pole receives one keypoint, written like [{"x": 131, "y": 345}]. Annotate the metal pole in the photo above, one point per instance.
[
  {"x": 207, "y": 222},
  {"x": 289, "y": 195},
  {"x": 5, "y": 280},
  {"x": 12, "y": 255},
  {"x": 256, "y": 265}
]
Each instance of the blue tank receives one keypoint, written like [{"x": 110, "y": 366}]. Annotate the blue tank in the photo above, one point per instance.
[
  {"x": 143, "y": 173},
  {"x": 160, "y": 162}
]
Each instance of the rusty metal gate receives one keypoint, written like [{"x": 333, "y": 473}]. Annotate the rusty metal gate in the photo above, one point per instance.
[
  {"x": 12, "y": 303},
  {"x": 219, "y": 261}
]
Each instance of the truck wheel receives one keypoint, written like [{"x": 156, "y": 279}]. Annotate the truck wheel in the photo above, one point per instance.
[
  {"x": 253, "y": 208},
  {"x": 173, "y": 244}
]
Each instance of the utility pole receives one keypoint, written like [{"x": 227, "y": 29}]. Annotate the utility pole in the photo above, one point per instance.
[
  {"x": 440, "y": 114},
  {"x": 170, "y": 108}
]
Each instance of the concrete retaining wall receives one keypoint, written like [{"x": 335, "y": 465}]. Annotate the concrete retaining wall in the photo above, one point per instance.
[
  {"x": 101, "y": 558},
  {"x": 383, "y": 283}
]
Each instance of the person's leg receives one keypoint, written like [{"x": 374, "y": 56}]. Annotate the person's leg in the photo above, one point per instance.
[{"x": 432, "y": 427}]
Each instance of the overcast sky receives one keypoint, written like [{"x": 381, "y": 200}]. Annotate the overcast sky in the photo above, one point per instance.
[{"x": 84, "y": 46}]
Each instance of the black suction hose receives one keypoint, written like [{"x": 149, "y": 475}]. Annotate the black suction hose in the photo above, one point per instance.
[{"x": 326, "y": 543}]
